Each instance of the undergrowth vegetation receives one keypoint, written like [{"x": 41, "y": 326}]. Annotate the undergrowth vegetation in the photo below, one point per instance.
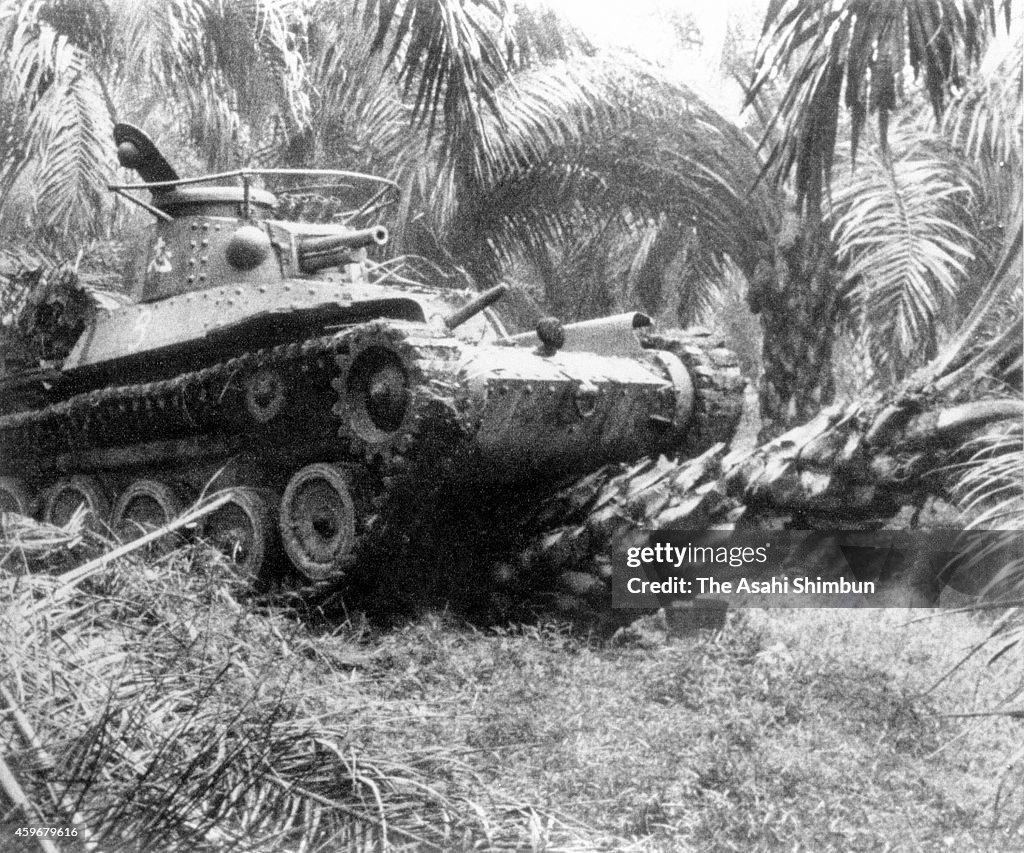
[{"x": 173, "y": 715}]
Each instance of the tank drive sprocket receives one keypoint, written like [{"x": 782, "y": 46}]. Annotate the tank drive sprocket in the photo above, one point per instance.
[{"x": 379, "y": 374}]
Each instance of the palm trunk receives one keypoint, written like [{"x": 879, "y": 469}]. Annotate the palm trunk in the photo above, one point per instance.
[{"x": 795, "y": 295}]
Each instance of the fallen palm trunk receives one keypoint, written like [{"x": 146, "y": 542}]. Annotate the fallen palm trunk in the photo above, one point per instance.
[
  {"x": 850, "y": 463},
  {"x": 851, "y": 467}
]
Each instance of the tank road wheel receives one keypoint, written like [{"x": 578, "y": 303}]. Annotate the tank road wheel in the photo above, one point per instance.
[
  {"x": 15, "y": 496},
  {"x": 144, "y": 506},
  {"x": 318, "y": 521},
  {"x": 243, "y": 530},
  {"x": 264, "y": 395},
  {"x": 66, "y": 496}
]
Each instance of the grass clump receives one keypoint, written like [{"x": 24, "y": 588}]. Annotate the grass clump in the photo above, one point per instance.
[{"x": 178, "y": 719}]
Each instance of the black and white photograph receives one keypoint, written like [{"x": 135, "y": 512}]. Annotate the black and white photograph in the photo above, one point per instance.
[{"x": 553, "y": 426}]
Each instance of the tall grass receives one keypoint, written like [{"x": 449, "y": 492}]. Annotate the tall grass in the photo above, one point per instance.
[{"x": 179, "y": 719}]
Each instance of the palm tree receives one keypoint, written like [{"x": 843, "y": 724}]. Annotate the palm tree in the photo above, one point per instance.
[
  {"x": 837, "y": 250},
  {"x": 858, "y": 52}
]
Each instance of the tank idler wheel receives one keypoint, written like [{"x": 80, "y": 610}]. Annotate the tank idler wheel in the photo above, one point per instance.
[
  {"x": 66, "y": 496},
  {"x": 243, "y": 530},
  {"x": 15, "y": 496},
  {"x": 143, "y": 507},
  {"x": 318, "y": 521}
]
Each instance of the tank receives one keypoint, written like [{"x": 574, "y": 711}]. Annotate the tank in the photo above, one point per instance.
[{"x": 267, "y": 357}]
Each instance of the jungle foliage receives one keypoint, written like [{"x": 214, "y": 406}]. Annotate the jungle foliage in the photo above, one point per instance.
[{"x": 870, "y": 203}]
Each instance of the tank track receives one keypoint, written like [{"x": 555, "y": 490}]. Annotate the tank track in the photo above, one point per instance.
[
  {"x": 198, "y": 401},
  {"x": 212, "y": 400},
  {"x": 407, "y": 465},
  {"x": 718, "y": 385}
]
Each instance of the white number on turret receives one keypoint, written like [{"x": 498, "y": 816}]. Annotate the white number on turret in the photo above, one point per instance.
[{"x": 161, "y": 257}]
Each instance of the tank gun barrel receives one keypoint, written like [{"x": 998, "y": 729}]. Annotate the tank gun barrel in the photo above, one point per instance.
[
  {"x": 475, "y": 306},
  {"x": 318, "y": 253}
]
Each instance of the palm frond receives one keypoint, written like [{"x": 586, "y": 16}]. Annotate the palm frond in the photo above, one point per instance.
[
  {"x": 602, "y": 140},
  {"x": 357, "y": 116},
  {"x": 581, "y": 282},
  {"x": 989, "y": 491},
  {"x": 856, "y": 52},
  {"x": 234, "y": 65},
  {"x": 14, "y": 145},
  {"x": 544, "y": 111},
  {"x": 988, "y": 486},
  {"x": 257, "y": 45},
  {"x": 642, "y": 275},
  {"x": 60, "y": 110},
  {"x": 986, "y": 123},
  {"x": 449, "y": 53},
  {"x": 512, "y": 189},
  {"x": 991, "y": 331},
  {"x": 985, "y": 120},
  {"x": 73, "y": 128},
  {"x": 667, "y": 268},
  {"x": 701, "y": 289},
  {"x": 30, "y": 51},
  {"x": 529, "y": 212},
  {"x": 538, "y": 35},
  {"x": 903, "y": 230},
  {"x": 88, "y": 24}
]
